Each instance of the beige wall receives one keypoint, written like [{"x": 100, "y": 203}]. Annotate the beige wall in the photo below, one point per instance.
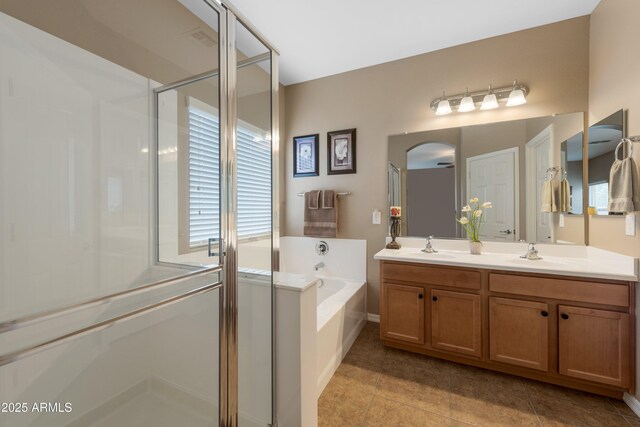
[
  {"x": 393, "y": 98},
  {"x": 614, "y": 83}
]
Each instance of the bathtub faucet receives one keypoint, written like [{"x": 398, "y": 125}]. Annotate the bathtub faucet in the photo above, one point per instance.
[{"x": 318, "y": 266}]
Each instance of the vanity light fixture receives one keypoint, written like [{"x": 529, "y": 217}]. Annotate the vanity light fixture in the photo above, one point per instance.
[
  {"x": 516, "y": 96},
  {"x": 485, "y": 99},
  {"x": 490, "y": 101},
  {"x": 466, "y": 104},
  {"x": 443, "y": 106}
]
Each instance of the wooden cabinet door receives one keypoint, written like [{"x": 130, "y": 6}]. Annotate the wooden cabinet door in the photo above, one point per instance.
[
  {"x": 594, "y": 345},
  {"x": 402, "y": 313},
  {"x": 519, "y": 333},
  {"x": 456, "y": 322}
]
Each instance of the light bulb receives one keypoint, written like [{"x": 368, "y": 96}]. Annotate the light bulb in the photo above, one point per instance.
[
  {"x": 489, "y": 102},
  {"x": 516, "y": 97},
  {"x": 466, "y": 104},
  {"x": 443, "y": 108}
]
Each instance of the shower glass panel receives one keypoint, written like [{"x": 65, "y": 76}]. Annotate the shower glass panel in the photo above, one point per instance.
[
  {"x": 94, "y": 325},
  {"x": 188, "y": 169},
  {"x": 254, "y": 195}
]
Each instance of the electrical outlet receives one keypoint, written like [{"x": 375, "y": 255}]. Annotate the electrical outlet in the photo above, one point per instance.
[
  {"x": 376, "y": 216},
  {"x": 630, "y": 225},
  {"x": 561, "y": 221}
]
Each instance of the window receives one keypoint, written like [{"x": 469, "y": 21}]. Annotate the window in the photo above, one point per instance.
[
  {"x": 599, "y": 197},
  {"x": 254, "y": 178}
]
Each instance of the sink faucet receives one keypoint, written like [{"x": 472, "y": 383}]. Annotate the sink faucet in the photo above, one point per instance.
[
  {"x": 428, "y": 248},
  {"x": 318, "y": 266},
  {"x": 532, "y": 253}
]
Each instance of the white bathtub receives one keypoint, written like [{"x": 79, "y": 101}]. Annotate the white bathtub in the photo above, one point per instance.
[{"x": 341, "y": 316}]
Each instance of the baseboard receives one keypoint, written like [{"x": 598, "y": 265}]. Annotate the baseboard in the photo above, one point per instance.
[
  {"x": 632, "y": 402},
  {"x": 373, "y": 317}
]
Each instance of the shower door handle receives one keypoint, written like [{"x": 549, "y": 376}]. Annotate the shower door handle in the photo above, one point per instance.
[{"x": 211, "y": 243}]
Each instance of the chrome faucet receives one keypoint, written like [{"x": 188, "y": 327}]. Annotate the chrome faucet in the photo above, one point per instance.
[
  {"x": 532, "y": 253},
  {"x": 429, "y": 248},
  {"x": 318, "y": 266}
]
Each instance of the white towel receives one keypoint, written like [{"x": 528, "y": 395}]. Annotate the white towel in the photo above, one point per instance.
[
  {"x": 624, "y": 187},
  {"x": 550, "y": 196}
]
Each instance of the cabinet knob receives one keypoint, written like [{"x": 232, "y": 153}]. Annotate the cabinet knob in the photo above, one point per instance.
[
  {"x": 544, "y": 313},
  {"x": 565, "y": 316},
  {"x": 420, "y": 296},
  {"x": 434, "y": 298}
]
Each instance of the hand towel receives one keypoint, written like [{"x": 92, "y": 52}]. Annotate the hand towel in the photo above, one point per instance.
[
  {"x": 546, "y": 197},
  {"x": 320, "y": 222},
  {"x": 328, "y": 199},
  {"x": 565, "y": 196},
  {"x": 550, "y": 197},
  {"x": 312, "y": 199},
  {"x": 624, "y": 187}
]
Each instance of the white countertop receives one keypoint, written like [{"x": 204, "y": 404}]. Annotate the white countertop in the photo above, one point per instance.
[{"x": 563, "y": 260}]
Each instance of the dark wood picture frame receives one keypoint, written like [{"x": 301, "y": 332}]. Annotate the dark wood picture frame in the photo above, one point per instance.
[
  {"x": 306, "y": 155},
  {"x": 341, "y": 152}
]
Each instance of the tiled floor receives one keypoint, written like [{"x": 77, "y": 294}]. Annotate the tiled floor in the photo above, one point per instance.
[{"x": 376, "y": 386}]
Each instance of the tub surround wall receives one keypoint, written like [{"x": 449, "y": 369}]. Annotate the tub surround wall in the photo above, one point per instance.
[
  {"x": 393, "y": 98},
  {"x": 346, "y": 258}
]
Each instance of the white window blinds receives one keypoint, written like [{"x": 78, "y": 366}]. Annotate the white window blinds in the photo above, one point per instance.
[
  {"x": 254, "y": 179},
  {"x": 204, "y": 177}
]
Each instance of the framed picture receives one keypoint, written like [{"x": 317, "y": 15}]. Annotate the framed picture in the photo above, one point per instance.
[
  {"x": 341, "y": 152},
  {"x": 306, "y": 160}
]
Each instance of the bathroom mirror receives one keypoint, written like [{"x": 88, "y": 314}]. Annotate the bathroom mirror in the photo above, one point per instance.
[
  {"x": 506, "y": 163},
  {"x": 603, "y": 137}
]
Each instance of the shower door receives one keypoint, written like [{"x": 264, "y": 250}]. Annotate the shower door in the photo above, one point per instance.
[{"x": 120, "y": 205}]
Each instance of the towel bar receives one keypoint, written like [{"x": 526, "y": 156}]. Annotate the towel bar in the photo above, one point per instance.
[{"x": 339, "y": 194}]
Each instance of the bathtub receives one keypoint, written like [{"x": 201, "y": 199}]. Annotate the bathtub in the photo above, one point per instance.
[
  {"x": 341, "y": 316},
  {"x": 319, "y": 315}
]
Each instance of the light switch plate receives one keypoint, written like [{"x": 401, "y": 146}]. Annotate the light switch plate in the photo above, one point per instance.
[
  {"x": 376, "y": 216},
  {"x": 630, "y": 225},
  {"x": 561, "y": 221}
]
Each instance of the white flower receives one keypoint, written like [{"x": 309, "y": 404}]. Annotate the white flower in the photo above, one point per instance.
[
  {"x": 487, "y": 205},
  {"x": 477, "y": 213},
  {"x": 467, "y": 208},
  {"x": 463, "y": 220},
  {"x": 474, "y": 200}
]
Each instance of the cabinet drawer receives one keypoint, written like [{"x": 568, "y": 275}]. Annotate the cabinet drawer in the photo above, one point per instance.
[
  {"x": 569, "y": 290},
  {"x": 439, "y": 276}
]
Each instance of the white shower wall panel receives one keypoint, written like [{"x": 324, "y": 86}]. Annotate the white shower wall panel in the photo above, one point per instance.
[{"x": 74, "y": 172}]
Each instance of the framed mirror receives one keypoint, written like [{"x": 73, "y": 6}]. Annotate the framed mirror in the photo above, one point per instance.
[
  {"x": 506, "y": 163},
  {"x": 603, "y": 138}
]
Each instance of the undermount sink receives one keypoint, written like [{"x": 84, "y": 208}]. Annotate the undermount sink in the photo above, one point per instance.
[{"x": 439, "y": 255}]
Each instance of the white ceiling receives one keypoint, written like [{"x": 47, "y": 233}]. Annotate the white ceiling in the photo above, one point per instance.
[
  {"x": 322, "y": 38},
  {"x": 428, "y": 155}
]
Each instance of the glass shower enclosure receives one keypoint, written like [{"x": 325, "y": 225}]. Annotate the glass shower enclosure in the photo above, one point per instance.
[{"x": 136, "y": 214}]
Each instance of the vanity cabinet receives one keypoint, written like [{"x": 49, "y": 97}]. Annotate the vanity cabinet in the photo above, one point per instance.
[
  {"x": 594, "y": 345},
  {"x": 519, "y": 332},
  {"x": 456, "y": 322},
  {"x": 403, "y": 313},
  {"x": 570, "y": 331}
]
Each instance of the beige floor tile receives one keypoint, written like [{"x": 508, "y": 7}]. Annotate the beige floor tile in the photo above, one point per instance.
[
  {"x": 633, "y": 421},
  {"x": 490, "y": 404},
  {"x": 418, "y": 361},
  {"x": 416, "y": 386},
  {"x": 387, "y": 413},
  {"x": 587, "y": 401},
  {"x": 622, "y": 408},
  {"x": 470, "y": 376},
  {"x": 344, "y": 402},
  {"x": 561, "y": 412}
]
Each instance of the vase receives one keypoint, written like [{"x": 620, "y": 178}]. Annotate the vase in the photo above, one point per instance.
[
  {"x": 475, "y": 248},
  {"x": 395, "y": 232}
]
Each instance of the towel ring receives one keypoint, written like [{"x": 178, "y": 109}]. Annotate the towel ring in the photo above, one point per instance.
[{"x": 620, "y": 144}]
